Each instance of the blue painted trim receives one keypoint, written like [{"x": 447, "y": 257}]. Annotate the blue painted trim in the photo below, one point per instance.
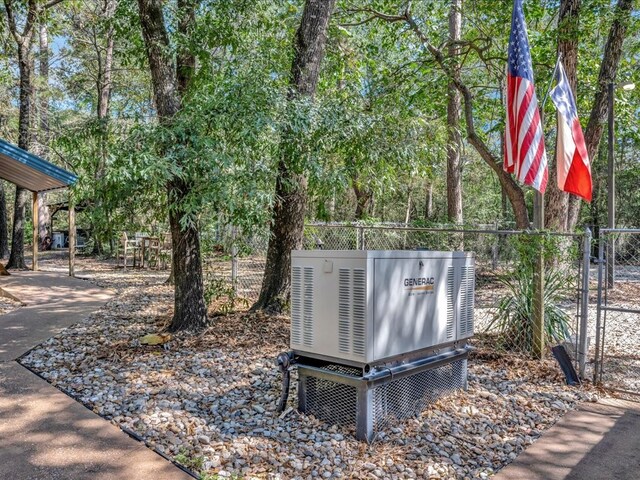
[{"x": 33, "y": 161}]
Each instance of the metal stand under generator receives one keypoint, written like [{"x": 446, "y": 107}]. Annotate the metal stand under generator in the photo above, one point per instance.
[{"x": 377, "y": 335}]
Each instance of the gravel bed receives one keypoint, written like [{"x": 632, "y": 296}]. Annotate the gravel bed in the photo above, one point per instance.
[{"x": 209, "y": 401}]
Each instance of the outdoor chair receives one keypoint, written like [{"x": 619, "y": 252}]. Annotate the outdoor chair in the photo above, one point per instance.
[
  {"x": 127, "y": 249},
  {"x": 153, "y": 252},
  {"x": 81, "y": 243},
  {"x": 165, "y": 251}
]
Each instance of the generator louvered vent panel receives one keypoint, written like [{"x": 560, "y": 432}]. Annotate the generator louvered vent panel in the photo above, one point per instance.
[
  {"x": 296, "y": 305},
  {"x": 307, "y": 307},
  {"x": 344, "y": 310},
  {"x": 466, "y": 300},
  {"x": 451, "y": 325},
  {"x": 359, "y": 311}
]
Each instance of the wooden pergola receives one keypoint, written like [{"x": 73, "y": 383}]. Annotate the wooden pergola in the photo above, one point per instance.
[{"x": 33, "y": 173}]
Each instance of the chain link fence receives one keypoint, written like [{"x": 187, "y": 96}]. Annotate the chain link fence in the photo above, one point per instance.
[
  {"x": 504, "y": 271},
  {"x": 233, "y": 268},
  {"x": 617, "y": 349}
]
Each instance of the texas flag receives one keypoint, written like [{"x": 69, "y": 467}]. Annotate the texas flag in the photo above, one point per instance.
[{"x": 574, "y": 169}]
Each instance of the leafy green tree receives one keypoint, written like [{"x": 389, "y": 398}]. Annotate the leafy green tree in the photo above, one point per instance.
[
  {"x": 454, "y": 112},
  {"x": 22, "y": 21},
  {"x": 291, "y": 182},
  {"x": 171, "y": 76}
]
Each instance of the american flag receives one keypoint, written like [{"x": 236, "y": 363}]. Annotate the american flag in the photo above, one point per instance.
[{"x": 525, "y": 154}]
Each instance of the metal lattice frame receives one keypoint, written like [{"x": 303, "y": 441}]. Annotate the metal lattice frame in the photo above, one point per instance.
[
  {"x": 406, "y": 397},
  {"x": 341, "y": 395}
]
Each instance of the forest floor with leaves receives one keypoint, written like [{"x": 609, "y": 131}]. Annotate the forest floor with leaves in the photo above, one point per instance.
[{"x": 209, "y": 401}]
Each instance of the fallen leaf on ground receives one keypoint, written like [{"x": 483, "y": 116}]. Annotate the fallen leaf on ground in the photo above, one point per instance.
[{"x": 155, "y": 339}]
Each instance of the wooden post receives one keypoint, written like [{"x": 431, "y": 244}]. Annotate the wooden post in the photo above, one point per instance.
[
  {"x": 538, "y": 281},
  {"x": 34, "y": 264},
  {"x": 72, "y": 237},
  {"x": 538, "y": 274}
]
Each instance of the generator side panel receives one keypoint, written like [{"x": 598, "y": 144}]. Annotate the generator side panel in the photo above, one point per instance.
[
  {"x": 329, "y": 307},
  {"x": 414, "y": 304}
]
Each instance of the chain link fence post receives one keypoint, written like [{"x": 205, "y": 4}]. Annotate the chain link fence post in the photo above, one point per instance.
[
  {"x": 611, "y": 262},
  {"x": 584, "y": 303},
  {"x": 597, "y": 374},
  {"x": 234, "y": 261},
  {"x": 495, "y": 249},
  {"x": 360, "y": 241},
  {"x": 538, "y": 302}
]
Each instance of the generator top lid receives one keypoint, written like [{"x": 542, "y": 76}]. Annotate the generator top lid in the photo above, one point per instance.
[
  {"x": 408, "y": 254},
  {"x": 29, "y": 171}
]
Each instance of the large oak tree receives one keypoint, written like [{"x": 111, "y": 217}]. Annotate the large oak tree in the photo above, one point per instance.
[
  {"x": 171, "y": 74},
  {"x": 562, "y": 209},
  {"x": 291, "y": 184},
  {"x": 563, "y": 214}
]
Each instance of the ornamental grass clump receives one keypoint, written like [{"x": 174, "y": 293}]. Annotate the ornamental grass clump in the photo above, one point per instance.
[{"x": 514, "y": 319}]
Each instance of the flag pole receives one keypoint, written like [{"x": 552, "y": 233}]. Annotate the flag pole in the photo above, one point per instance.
[
  {"x": 553, "y": 75},
  {"x": 538, "y": 200}
]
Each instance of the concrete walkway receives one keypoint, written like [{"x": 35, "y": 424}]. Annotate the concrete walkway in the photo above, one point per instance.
[
  {"x": 44, "y": 434},
  {"x": 598, "y": 441}
]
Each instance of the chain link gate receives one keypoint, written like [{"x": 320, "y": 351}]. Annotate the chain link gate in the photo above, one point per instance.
[{"x": 617, "y": 354}]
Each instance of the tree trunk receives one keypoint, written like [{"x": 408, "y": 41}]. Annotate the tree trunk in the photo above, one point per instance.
[
  {"x": 428, "y": 204},
  {"x": 287, "y": 227},
  {"x": 25, "y": 64},
  {"x": 504, "y": 205},
  {"x": 363, "y": 200},
  {"x": 103, "y": 87},
  {"x": 332, "y": 206},
  {"x": 190, "y": 312},
  {"x": 608, "y": 71},
  {"x": 454, "y": 139},
  {"x": 4, "y": 231},
  {"x": 43, "y": 94},
  {"x": 16, "y": 258},
  {"x": 407, "y": 215},
  {"x": 286, "y": 235},
  {"x": 186, "y": 61},
  {"x": 161, "y": 63},
  {"x": 106, "y": 73},
  {"x": 557, "y": 201},
  {"x": 44, "y": 133}
]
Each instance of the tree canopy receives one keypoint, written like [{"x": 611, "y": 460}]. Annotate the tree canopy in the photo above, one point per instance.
[{"x": 372, "y": 141}]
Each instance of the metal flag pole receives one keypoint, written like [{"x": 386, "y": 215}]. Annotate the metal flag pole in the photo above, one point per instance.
[
  {"x": 553, "y": 76},
  {"x": 538, "y": 213},
  {"x": 538, "y": 203}
]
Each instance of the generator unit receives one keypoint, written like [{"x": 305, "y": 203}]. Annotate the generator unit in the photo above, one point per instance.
[{"x": 365, "y": 308}]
